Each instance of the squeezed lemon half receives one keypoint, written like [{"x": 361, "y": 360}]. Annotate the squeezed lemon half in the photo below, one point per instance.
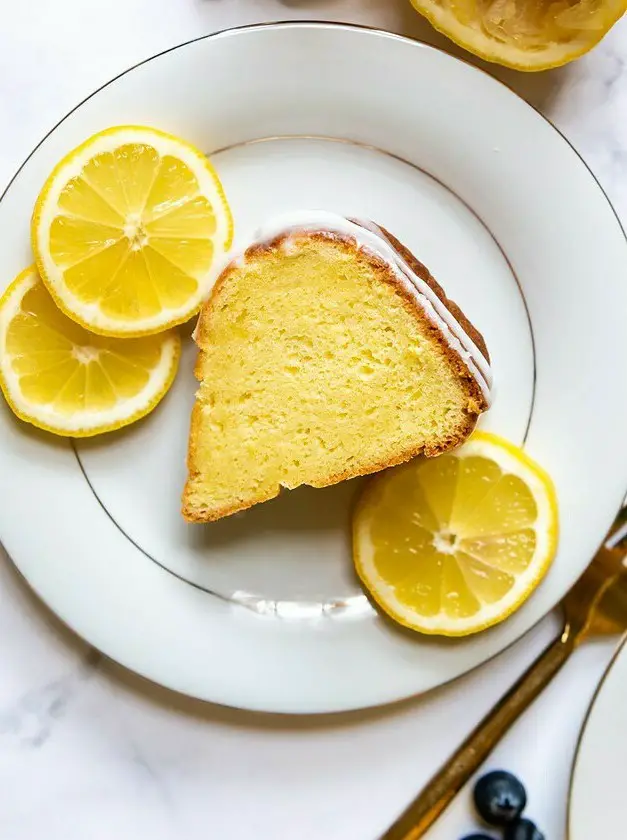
[
  {"x": 127, "y": 231},
  {"x": 454, "y": 544},
  {"x": 524, "y": 34},
  {"x": 61, "y": 378}
]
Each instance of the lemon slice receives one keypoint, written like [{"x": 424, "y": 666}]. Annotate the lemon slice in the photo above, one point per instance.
[
  {"x": 454, "y": 544},
  {"x": 57, "y": 376},
  {"x": 128, "y": 229},
  {"x": 524, "y": 34}
]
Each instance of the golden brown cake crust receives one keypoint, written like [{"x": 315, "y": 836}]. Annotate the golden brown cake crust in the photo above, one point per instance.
[
  {"x": 423, "y": 272},
  {"x": 476, "y": 400}
]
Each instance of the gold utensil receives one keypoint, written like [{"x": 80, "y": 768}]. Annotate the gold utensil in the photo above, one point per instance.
[{"x": 595, "y": 606}]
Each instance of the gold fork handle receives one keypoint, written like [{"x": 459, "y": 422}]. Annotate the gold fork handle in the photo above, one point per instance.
[{"x": 449, "y": 780}]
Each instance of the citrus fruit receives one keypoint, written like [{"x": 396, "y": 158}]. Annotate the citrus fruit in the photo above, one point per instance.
[
  {"x": 454, "y": 544},
  {"x": 128, "y": 229},
  {"x": 524, "y": 34},
  {"x": 59, "y": 377}
]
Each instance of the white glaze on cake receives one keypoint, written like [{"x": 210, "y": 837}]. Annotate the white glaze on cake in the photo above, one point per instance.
[{"x": 370, "y": 237}]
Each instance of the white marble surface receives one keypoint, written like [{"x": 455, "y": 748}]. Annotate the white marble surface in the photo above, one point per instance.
[{"x": 90, "y": 752}]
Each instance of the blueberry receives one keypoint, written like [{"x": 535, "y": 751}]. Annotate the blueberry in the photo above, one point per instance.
[
  {"x": 478, "y": 837},
  {"x": 523, "y": 830},
  {"x": 500, "y": 798}
]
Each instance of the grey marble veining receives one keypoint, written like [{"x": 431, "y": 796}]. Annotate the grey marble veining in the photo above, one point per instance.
[{"x": 30, "y": 720}]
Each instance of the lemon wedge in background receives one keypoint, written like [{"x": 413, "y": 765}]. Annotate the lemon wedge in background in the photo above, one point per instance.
[
  {"x": 454, "y": 544},
  {"x": 524, "y": 34},
  {"x": 57, "y": 376},
  {"x": 127, "y": 229}
]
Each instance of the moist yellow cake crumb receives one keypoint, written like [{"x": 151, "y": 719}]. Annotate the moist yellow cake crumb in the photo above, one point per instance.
[{"x": 315, "y": 366}]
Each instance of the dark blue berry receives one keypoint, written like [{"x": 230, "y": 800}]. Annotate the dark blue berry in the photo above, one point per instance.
[
  {"x": 523, "y": 829},
  {"x": 499, "y": 798},
  {"x": 478, "y": 837}
]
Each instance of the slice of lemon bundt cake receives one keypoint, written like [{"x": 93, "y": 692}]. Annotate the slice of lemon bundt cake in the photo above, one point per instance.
[{"x": 327, "y": 351}]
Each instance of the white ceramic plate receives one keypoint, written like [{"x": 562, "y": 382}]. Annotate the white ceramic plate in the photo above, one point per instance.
[
  {"x": 262, "y": 610},
  {"x": 598, "y": 806}
]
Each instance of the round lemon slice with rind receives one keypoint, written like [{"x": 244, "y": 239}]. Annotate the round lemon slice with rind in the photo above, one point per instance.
[
  {"x": 128, "y": 230},
  {"x": 454, "y": 544},
  {"x": 61, "y": 378},
  {"x": 530, "y": 36}
]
